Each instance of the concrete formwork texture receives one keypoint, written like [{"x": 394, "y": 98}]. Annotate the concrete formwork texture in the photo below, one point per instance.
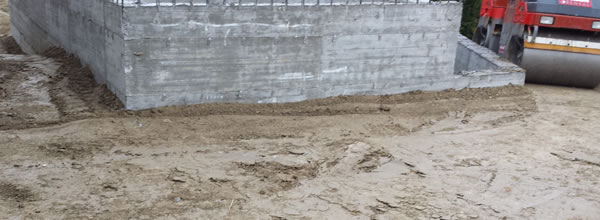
[{"x": 156, "y": 53}]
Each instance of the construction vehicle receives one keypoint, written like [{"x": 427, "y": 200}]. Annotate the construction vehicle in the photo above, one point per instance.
[{"x": 556, "y": 41}]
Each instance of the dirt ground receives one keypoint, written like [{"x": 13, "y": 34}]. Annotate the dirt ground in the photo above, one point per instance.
[
  {"x": 4, "y": 18},
  {"x": 67, "y": 151}
]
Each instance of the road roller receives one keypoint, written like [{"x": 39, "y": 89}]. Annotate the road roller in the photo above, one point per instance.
[{"x": 556, "y": 41}]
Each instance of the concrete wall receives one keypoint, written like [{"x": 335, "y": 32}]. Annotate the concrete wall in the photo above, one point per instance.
[
  {"x": 147, "y": 3},
  {"x": 472, "y": 57},
  {"x": 480, "y": 63},
  {"x": 90, "y": 29},
  {"x": 185, "y": 55}
]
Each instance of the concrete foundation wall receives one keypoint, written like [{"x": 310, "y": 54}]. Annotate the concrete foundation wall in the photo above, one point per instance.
[
  {"x": 185, "y": 55},
  {"x": 90, "y": 29}
]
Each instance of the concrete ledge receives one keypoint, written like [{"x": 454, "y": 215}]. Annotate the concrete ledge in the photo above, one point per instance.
[{"x": 473, "y": 79}]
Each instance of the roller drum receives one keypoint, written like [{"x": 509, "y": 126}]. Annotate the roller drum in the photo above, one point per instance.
[{"x": 561, "y": 68}]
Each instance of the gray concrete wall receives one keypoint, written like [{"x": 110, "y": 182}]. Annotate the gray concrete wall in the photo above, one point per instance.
[
  {"x": 154, "y": 56},
  {"x": 484, "y": 67},
  {"x": 90, "y": 29},
  {"x": 185, "y": 55},
  {"x": 472, "y": 57}
]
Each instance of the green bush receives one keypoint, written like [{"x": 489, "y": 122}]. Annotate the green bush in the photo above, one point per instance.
[{"x": 470, "y": 17}]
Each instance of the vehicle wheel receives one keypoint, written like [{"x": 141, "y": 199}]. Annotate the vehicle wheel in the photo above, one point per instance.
[
  {"x": 516, "y": 49},
  {"x": 480, "y": 36}
]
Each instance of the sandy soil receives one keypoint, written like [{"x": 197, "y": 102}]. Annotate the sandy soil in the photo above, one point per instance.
[
  {"x": 4, "y": 18},
  {"x": 68, "y": 152}
]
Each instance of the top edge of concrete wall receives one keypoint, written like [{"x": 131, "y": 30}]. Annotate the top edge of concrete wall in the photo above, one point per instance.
[{"x": 270, "y": 3}]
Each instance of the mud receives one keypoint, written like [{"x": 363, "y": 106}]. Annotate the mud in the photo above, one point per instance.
[
  {"x": 286, "y": 177},
  {"x": 9, "y": 45},
  {"x": 15, "y": 193},
  {"x": 4, "y": 21},
  {"x": 78, "y": 79}
]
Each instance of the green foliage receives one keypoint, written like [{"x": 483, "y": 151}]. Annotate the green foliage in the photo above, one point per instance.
[{"x": 470, "y": 17}]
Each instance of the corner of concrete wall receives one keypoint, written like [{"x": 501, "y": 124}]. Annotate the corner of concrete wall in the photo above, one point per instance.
[
  {"x": 90, "y": 29},
  {"x": 484, "y": 67},
  {"x": 471, "y": 56},
  {"x": 114, "y": 56}
]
